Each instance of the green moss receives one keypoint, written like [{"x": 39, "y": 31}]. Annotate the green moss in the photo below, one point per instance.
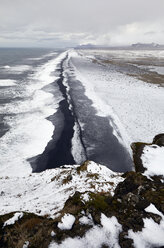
[
  {"x": 35, "y": 229},
  {"x": 67, "y": 179},
  {"x": 156, "y": 197},
  {"x": 83, "y": 167},
  {"x": 98, "y": 201},
  {"x": 93, "y": 176}
]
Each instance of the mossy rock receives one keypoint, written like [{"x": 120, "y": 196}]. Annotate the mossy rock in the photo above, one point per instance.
[
  {"x": 98, "y": 201},
  {"x": 83, "y": 167},
  {"x": 137, "y": 149},
  {"x": 74, "y": 204},
  {"x": 132, "y": 181},
  {"x": 156, "y": 197},
  {"x": 31, "y": 227}
]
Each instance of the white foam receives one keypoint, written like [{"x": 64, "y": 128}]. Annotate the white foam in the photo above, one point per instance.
[
  {"x": 16, "y": 69},
  {"x": 44, "y": 56},
  {"x": 44, "y": 75},
  {"x": 6, "y": 67},
  {"x": 7, "y": 82},
  {"x": 29, "y": 131},
  {"x": 27, "y": 137},
  {"x": 39, "y": 101}
]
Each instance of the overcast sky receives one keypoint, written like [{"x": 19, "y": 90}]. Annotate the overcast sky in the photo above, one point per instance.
[{"x": 55, "y": 23}]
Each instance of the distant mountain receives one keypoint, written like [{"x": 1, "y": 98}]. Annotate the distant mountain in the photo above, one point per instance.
[
  {"x": 133, "y": 46},
  {"x": 147, "y": 46}
]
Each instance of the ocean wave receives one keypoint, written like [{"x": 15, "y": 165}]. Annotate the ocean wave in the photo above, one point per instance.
[
  {"x": 29, "y": 131},
  {"x": 16, "y": 69},
  {"x": 7, "y": 82},
  {"x": 44, "y": 56}
]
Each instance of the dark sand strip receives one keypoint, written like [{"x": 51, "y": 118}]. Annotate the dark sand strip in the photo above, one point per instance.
[{"x": 58, "y": 152}]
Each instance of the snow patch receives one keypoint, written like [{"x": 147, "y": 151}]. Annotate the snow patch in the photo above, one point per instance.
[
  {"x": 85, "y": 197},
  {"x": 96, "y": 236},
  {"x": 12, "y": 220},
  {"x": 153, "y": 160},
  {"x": 152, "y": 233},
  {"x": 53, "y": 234},
  {"x": 67, "y": 222},
  {"x": 150, "y": 236},
  {"x": 103, "y": 170},
  {"x": 45, "y": 194},
  {"x": 152, "y": 209},
  {"x": 86, "y": 220},
  {"x": 26, "y": 244}
]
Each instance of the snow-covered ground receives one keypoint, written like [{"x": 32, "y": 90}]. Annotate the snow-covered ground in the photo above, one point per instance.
[
  {"x": 153, "y": 160},
  {"x": 136, "y": 106},
  {"x": 145, "y": 237},
  {"x": 46, "y": 192},
  {"x": 137, "y": 109},
  {"x": 126, "y": 55},
  {"x": 106, "y": 234}
]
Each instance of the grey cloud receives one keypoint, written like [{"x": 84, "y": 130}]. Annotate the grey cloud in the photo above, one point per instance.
[
  {"x": 77, "y": 21},
  {"x": 150, "y": 33}
]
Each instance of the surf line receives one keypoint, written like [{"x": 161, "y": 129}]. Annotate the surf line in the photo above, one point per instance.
[{"x": 58, "y": 153}]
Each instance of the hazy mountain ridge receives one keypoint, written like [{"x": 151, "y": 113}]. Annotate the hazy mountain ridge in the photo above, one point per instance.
[{"x": 135, "y": 46}]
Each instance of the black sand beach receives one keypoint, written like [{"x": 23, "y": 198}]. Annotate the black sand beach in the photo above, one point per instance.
[{"x": 97, "y": 139}]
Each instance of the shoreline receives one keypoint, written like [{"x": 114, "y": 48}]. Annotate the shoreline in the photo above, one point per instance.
[
  {"x": 58, "y": 151},
  {"x": 95, "y": 141}
]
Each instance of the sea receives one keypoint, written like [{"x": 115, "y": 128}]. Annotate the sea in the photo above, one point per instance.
[
  {"x": 25, "y": 103},
  {"x": 46, "y": 119}
]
